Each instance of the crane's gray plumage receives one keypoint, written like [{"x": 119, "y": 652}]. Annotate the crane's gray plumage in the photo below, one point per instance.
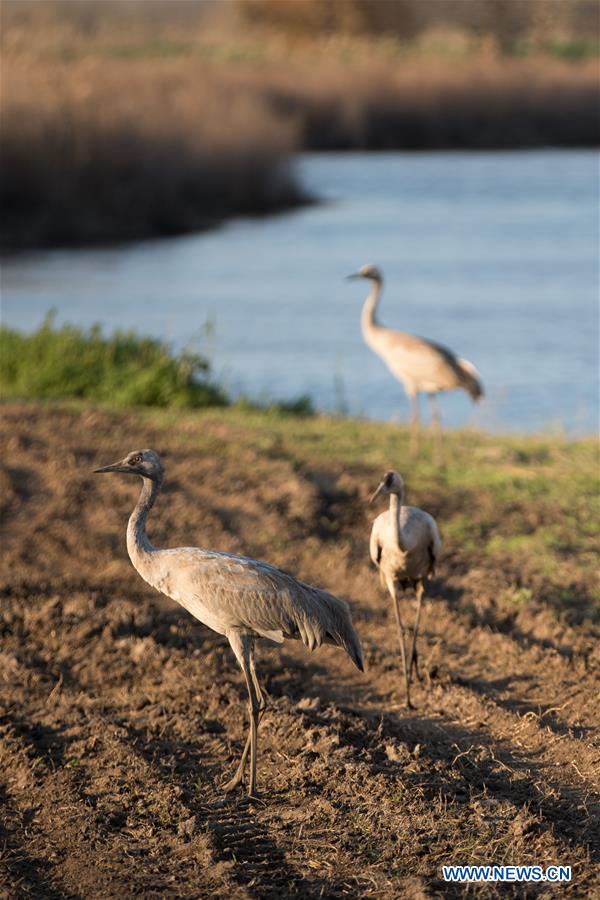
[
  {"x": 420, "y": 364},
  {"x": 241, "y": 598},
  {"x": 405, "y": 546}
]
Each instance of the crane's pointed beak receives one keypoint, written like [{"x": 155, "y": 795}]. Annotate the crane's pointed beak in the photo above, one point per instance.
[
  {"x": 353, "y": 276},
  {"x": 377, "y": 493},
  {"x": 116, "y": 467}
]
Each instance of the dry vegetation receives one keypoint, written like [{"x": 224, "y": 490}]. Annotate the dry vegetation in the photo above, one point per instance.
[
  {"x": 133, "y": 119},
  {"x": 99, "y": 147},
  {"x": 120, "y": 715}
]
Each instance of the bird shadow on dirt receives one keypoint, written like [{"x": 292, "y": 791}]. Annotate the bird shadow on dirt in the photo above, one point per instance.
[
  {"x": 237, "y": 837},
  {"x": 258, "y": 861},
  {"x": 490, "y": 617},
  {"x": 483, "y": 764}
]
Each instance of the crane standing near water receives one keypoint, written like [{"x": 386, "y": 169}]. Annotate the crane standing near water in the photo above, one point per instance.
[
  {"x": 238, "y": 597},
  {"x": 405, "y": 546},
  {"x": 420, "y": 364}
]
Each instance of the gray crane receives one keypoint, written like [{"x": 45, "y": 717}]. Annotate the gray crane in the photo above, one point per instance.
[
  {"x": 420, "y": 364},
  {"x": 405, "y": 547},
  {"x": 238, "y": 597}
]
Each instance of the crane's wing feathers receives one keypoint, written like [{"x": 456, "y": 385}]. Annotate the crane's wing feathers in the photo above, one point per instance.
[
  {"x": 431, "y": 366},
  {"x": 250, "y": 594}
]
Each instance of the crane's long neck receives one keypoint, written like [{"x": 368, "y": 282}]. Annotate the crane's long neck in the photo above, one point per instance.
[
  {"x": 396, "y": 501},
  {"x": 369, "y": 324},
  {"x": 138, "y": 542}
]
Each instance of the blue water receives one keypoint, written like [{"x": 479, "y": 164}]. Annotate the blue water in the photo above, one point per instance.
[{"x": 493, "y": 254}]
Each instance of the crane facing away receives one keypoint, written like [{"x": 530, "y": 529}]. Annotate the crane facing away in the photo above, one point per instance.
[
  {"x": 405, "y": 547},
  {"x": 238, "y": 597},
  {"x": 420, "y": 364}
]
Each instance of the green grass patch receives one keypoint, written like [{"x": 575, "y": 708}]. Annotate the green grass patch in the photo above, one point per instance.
[{"x": 123, "y": 369}]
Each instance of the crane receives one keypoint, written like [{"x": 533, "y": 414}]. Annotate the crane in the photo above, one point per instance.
[
  {"x": 241, "y": 598},
  {"x": 420, "y": 364},
  {"x": 405, "y": 547}
]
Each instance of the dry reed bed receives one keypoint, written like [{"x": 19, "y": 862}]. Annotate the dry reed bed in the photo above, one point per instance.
[
  {"x": 481, "y": 103},
  {"x": 96, "y": 152},
  {"x": 111, "y": 148}
]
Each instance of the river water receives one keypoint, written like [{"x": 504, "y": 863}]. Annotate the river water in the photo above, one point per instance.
[{"x": 493, "y": 254}]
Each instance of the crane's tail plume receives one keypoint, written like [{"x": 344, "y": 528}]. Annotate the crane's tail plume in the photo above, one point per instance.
[
  {"x": 325, "y": 618},
  {"x": 470, "y": 378},
  {"x": 354, "y": 650},
  {"x": 341, "y": 631}
]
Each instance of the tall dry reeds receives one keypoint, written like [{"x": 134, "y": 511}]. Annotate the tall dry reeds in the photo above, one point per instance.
[
  {"x": 509, "y": 21},
  {"x": 476, "y": 104},
  {"x": 117, "y": 126},
  {"x": 95, "y": 152}
]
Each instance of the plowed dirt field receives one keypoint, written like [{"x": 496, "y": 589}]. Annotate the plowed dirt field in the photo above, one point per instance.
[{"x": 120, "y": 715}]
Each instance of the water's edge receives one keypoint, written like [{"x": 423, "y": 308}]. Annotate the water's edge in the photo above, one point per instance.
[{"x": 492, "y": 254}]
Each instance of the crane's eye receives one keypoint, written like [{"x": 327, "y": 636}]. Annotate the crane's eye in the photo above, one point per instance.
[{"x": 135, "y": 460}]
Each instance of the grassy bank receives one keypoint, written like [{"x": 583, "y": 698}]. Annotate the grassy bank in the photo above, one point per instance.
[
  {"x": 122, "y": 369},
  {"x": 117, "y": 125}
]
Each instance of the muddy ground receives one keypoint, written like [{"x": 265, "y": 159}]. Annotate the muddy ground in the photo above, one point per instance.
[{"x": 120, "y": 715}]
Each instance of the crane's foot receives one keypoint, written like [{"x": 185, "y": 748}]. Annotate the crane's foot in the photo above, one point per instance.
[
  {"x": 407, "y": 701},
  {"x": 232, "y": 784},
  {"x": 254, "y": 798}
]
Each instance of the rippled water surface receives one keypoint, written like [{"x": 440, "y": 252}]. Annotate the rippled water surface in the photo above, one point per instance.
[{"x": 493, "y": 254}]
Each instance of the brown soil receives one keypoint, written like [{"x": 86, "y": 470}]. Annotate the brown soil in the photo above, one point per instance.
[{"x": 120, "y": 715}]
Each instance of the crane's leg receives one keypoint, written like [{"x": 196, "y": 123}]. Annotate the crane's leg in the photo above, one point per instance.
[
  {"x": 419, "y": 591},
  {"x": 396, "y": 599},
  {"x": 239, "y": 775},
  {"x": 436, "y": 425},
  {"x": 243, "y": 647},
  {"x": 415, "y": 423}
]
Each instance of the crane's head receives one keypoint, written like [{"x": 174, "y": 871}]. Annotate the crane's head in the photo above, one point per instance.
[
  {"x": 368, "y": 271},
  {"x": 391, "y": 483},
  {"x": 145, "y": 463}
]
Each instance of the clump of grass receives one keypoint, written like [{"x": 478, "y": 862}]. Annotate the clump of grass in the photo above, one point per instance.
[{"x": 123, "y": 369}]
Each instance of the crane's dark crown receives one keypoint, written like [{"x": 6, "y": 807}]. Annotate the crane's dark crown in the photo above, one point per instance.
[{"x": 392, "y": 482}]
